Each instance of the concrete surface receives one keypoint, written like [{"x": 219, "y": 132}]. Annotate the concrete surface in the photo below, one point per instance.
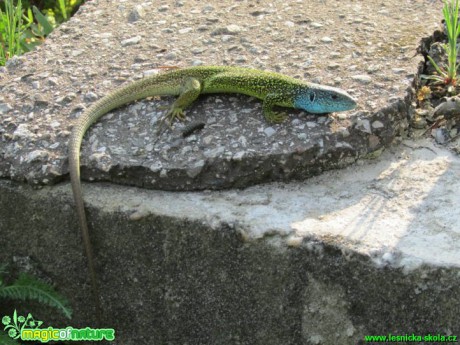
[
  {"x": 366, "y": 48},
  {"x": 372, "y": 249}
]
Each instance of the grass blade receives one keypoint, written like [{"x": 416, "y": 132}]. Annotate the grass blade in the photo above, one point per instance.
[
  {"x": 436, "y": 67},
  {"x": 63, "y": 9}
]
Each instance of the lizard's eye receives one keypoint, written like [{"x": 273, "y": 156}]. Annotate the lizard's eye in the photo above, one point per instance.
[
  {"x": 334, "y": 96},
  {"x": 312, "y": 97}
]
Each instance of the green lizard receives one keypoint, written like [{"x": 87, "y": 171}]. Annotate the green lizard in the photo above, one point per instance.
[{"x": 273, "y": 89}]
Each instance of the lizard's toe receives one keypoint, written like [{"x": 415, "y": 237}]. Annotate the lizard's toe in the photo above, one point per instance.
[{"x": 277, "y": 117}]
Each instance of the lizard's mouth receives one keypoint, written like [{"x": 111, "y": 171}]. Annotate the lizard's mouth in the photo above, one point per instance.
[{"x": 352, "y": 103}]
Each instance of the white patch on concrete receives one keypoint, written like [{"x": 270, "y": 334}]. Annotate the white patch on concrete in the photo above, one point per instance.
[{"x": 401, "y": 210}]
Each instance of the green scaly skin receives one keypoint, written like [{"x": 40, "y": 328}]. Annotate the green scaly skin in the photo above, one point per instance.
[{"x": 273, "y": 89}]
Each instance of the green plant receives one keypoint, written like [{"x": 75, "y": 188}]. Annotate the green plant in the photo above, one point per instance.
[
  {"x": 20, "y": 33},
  {"x": 448, "y": 75},
  {"x": 61, "y": 10},
  {"x": 23, "y": 26},
  {"x": 11, "y": 28},
  {"x": 26, "y": 287}
]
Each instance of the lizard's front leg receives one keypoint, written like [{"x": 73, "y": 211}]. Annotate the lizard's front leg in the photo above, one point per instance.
[
  {"x": 269, "y": 102},
  {"x": 190, "y": 90}
]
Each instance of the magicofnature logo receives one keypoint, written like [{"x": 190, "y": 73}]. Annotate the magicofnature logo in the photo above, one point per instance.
[{"x": 27, "y": 328}]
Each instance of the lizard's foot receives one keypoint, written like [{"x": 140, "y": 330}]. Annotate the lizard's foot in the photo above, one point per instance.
[
  {"x": 170, "y": 116},
  {"x": 174, "y": 113},
  {"x": 274, "y": 117}
]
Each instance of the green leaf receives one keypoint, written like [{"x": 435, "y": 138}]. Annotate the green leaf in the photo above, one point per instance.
[
  {"x": 436, "y": 67},
  {"x": 35, "y": 31},
  {"x": 63, "y": 9},
  {"x": 47, "y": 27},
  {"x": 29, "y": 46},
  {"x": 435, "y": 78},
  {"x": 27, "y": 287},
  {"x": 30, "y": 16}
]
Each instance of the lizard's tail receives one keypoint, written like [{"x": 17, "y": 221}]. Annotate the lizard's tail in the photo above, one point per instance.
[
  {"x": 74, "y": 168},
  {"x": 141, "y": 89}
]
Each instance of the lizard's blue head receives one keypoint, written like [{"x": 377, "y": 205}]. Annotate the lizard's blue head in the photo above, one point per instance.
[{"x": 320, "y": 99}]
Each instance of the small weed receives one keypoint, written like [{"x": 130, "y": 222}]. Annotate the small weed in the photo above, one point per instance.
[
  {"x": 23, "y": 27},
  {"x": 448, "y": 74},
  {"x": 423, "y": 93},
  {"x": 11, "y": 28}
]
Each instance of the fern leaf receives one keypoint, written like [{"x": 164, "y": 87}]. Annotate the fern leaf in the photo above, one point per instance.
[{"x": 27, "y": 287}]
